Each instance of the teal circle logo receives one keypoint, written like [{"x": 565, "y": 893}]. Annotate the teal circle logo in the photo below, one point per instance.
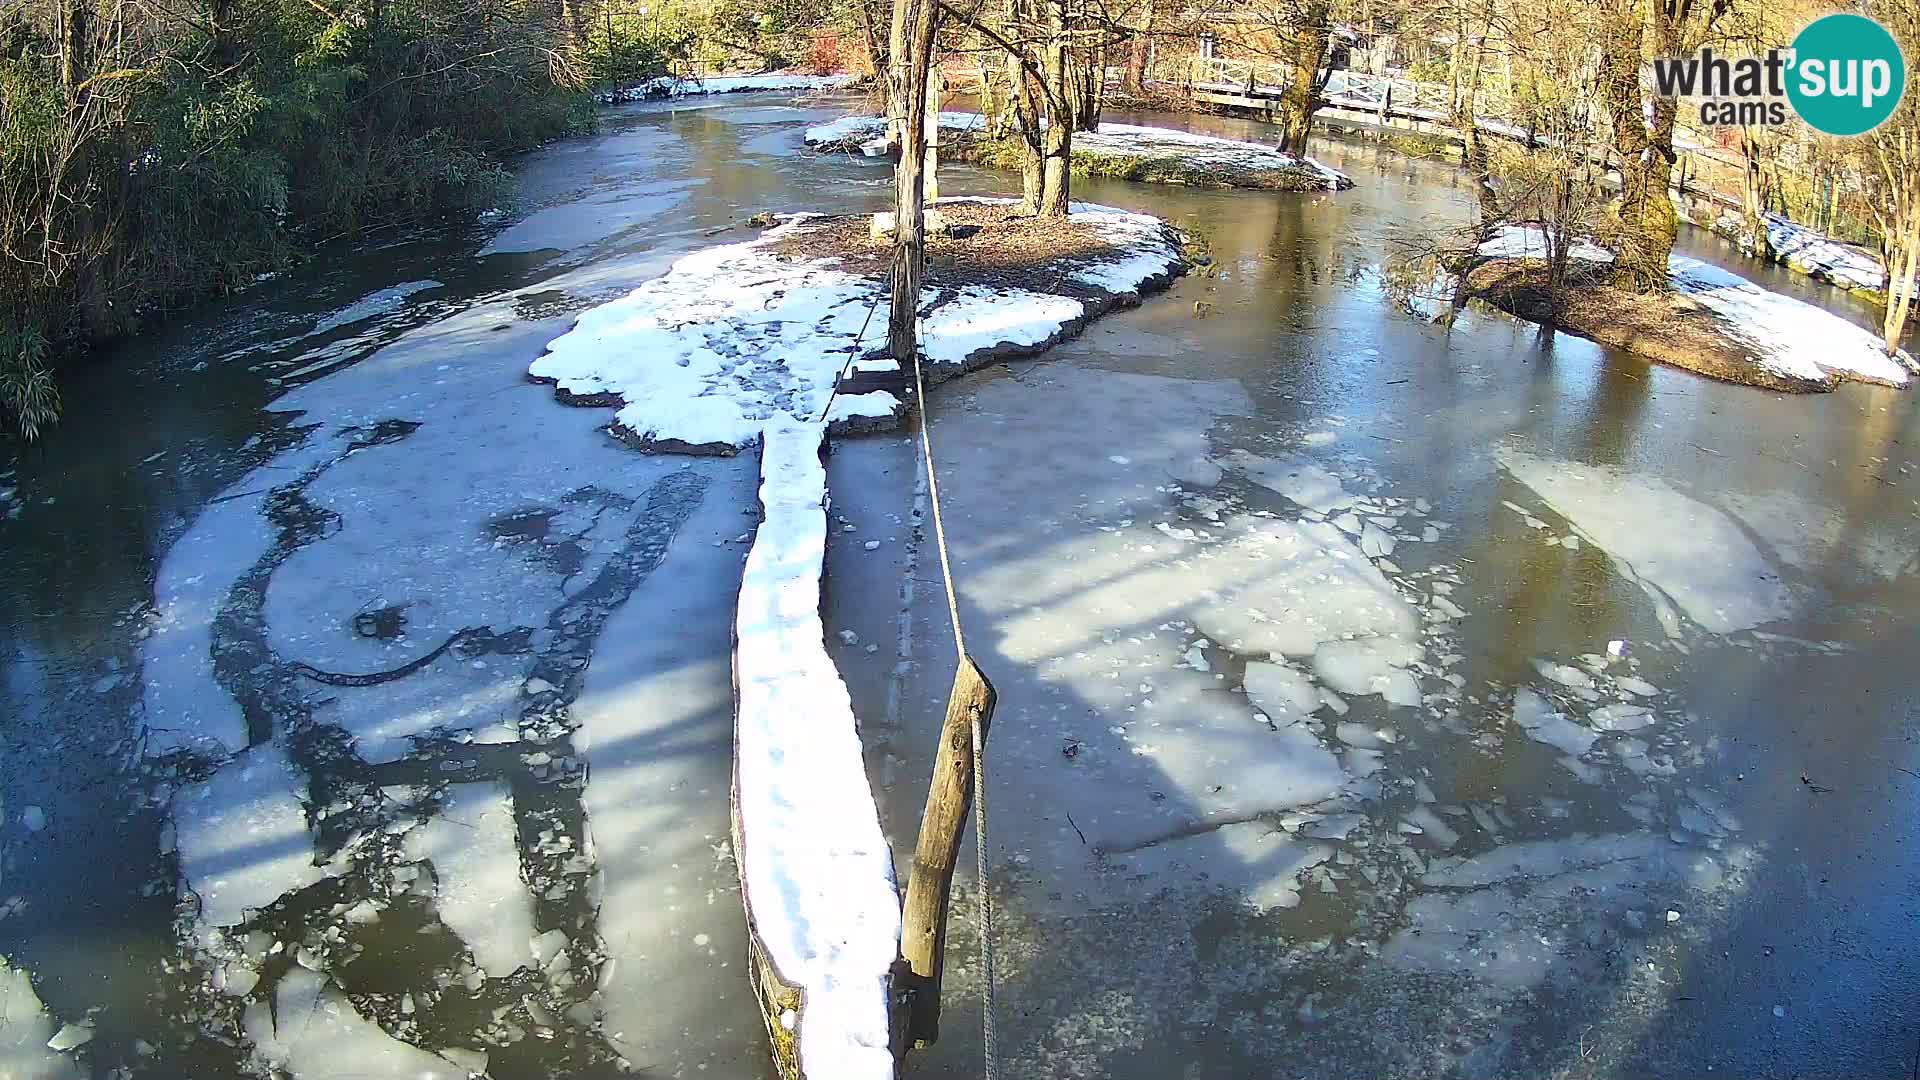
[{"x": 1847, "y": 75}]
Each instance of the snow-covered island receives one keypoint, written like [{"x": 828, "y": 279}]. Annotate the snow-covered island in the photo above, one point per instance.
[
  {"x": 1123, "y": 151},
  {"x": 1710, "y": 321},
  {"x": 772, "y": 343}
]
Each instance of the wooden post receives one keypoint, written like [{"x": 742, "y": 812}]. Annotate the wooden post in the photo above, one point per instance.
[{"x": 923, "y": 927}]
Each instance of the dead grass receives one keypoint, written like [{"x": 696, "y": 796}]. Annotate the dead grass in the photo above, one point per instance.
[
  {"x": 989, "y": 246},
  {"x": 1667, "y": 328}
]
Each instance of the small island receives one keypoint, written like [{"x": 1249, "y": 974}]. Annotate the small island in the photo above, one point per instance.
[{"x": 1119, "y": 151}]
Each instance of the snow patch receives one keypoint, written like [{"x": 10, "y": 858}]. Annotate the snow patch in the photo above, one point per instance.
[
  {"x": 1789, "y": 337},
  {"x": 815, "y": 866}
]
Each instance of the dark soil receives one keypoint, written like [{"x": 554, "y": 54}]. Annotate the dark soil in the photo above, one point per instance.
[
  {"x": 1664, "y": 327},
  {"x": 990, "y": 245}
]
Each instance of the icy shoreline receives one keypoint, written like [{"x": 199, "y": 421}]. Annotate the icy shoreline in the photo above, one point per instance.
[
  {"x": 1789, "y": 344},
  {"x": 669, "y": 86},
  {"x": 1152, "y": 154}
]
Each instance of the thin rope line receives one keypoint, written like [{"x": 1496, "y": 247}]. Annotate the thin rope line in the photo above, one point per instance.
[
  {"x": 978, "y": 738},
  {"x": 853, "y": 353},
  {"x": 987, "y": 975},
  {"x": 933, "y": 495}
]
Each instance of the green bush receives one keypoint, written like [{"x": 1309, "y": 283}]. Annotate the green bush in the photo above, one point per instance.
[{"x": 184, "y": 157}]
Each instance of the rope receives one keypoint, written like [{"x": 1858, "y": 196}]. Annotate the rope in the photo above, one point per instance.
[
  {"x": 985, "y": 909},
  {"x": 853, "y": 353}
]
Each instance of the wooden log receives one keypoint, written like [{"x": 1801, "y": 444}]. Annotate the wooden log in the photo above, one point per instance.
[{"x": 923, "y": 930}]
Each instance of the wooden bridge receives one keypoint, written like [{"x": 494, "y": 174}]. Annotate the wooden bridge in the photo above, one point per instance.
[
  {"x": 1707, "y": 180},
  {"x": 1354, "y": 100}
]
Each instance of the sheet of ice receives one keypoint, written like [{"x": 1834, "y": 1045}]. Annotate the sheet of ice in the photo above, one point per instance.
[
  {"x": 1305, "y": 583},
  {"x": 242, "y": 837},
  {"x": 1370, "y": 665},
  {"x": 185, "y": 707},
  {"x": 1530, "y": 242},
  {"x": 1509, "y": 917},
  {"x": 1541, "y": 720},
  {"x": 1282, "y": 693},
  {"x": 1296, "y": 478},
  {"x": 734, "y": 336},
  {"x": 312, "y": 1032},
  {"x": 476, "y": 861},
  {"x": 1788, "y": 336},
  {"x": 1682, "y": 552},
  {"x": 25, "y": 1027},
  {"x": 1111, "y": 140},
  {"x": 380, "y": 302},
  {"x": 816, "y": 868},
  {"x": 656, "y": 702}
]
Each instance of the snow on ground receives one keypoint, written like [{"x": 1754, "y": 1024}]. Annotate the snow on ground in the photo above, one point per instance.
[
  {"x": 671, "y": 86},
  {"x": 1788, "y": 337},
  {"x": 734, "y": 336},
  {"x": 25, "y": 1029},
  {"x": 310, "y": 1030},
  {"x": 814, "y": 864},
  {"x": 1530, "y": 242},
  {"x": 242, "y": 838},
  {"x": 1108, "y": 140},
  {"x": 1812, "y": 252},
  {"x": 1689, "y": 558},
  {"x": 476, "y": 862}
]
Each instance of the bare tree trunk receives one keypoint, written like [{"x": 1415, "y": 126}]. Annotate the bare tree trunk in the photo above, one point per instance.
[
  {"x": 914, "y": 27},
  {"x": 1027, "y": 98},
  {"x": 1057, "y": 139},
  {"x": 1902, "y": 260},
  {"x": 930, "y": 171},
  {"x": 1135, "y": 79},
  {"x": 1306, "y": 51},
  {"x": 1753, "y": 195}
]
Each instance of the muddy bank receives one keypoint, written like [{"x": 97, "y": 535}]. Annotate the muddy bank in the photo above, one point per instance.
[{"x": 1666, "y": 328}]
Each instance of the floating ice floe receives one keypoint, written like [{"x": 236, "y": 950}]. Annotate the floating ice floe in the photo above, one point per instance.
[
  {"x": 312, "y": 1031},
  {"x": 1108, "y": 140},
  {"x": 242, "y": 838},
  {"x": 28, "y": 1033},
  {"x": 1684, "y": 554},
  {"x": 476, "y": 862}
]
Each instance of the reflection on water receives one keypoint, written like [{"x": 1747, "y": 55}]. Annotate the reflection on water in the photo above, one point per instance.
[{"x": 1413, "y": 675}]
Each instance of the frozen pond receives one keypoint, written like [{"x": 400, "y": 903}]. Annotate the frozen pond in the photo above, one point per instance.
[{"x": 1376, "y": 699}]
